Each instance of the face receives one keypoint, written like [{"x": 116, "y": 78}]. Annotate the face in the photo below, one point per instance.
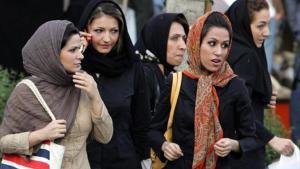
[
  {"x": 70, "y": 55},
  {"x": 259, "y": 27},
  {"x": 105, "y": 33},
  {"x": 176, "y": 44},
  {"x": 214, "y": 49}
]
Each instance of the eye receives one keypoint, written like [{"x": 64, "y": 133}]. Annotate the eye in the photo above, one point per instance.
[
  {"x": 176, "y": 38},
  {"x": 115, "y": 31},
  {"x": 211, "y": 43},
  {"x": 72, "y": 50},
  {"x": 225, "y": 45},
  {"x": 260, "y": 26},
  {"x": 98, "y": 30}
]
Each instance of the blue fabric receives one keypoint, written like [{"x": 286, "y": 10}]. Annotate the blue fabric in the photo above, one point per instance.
[{"x": 270, "y": 43}]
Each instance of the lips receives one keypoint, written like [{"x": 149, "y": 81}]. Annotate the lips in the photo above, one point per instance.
[
  {"x": 216, "y": 60},
  {"x": 104, "y": 46}
]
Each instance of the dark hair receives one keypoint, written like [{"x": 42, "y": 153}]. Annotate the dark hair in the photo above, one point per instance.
[
  {"x": 111, "y": 10},
  {"x": 182, "y": 21},
  {"x": 215, "y": 20},
  {"x": 256, "y": 6},
  {"x": 69, "y": 32}
]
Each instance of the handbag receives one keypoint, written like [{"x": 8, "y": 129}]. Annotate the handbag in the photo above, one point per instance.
[
  {"x": 176, "y": 83},
  {"x": 49, "y": 155}
]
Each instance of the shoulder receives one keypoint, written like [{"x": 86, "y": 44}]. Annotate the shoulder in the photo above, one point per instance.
[
  {"x": 235, "y": 86},
  {"x": 240, "y": 54}
]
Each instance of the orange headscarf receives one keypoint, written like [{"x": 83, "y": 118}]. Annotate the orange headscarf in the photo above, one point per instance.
[{"x": 207, "y": 126}]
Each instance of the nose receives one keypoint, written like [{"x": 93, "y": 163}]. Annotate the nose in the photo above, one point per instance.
[
  {"x": 182, "y": 44},
  {"x": 80, "y": 55},
  {"x": 106, "y": 37},
  {"x": 266, "y": 32},
  {"x": 218, "y": 50}
]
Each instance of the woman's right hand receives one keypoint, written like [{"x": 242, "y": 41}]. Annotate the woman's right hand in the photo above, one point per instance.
[
  {"x": 85, "y": 38},
  {"x": 172, "y": 151},
  {"x": 54, "y": 130}
]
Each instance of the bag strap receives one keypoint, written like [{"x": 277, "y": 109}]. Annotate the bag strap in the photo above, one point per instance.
[
  {"x": 176, "y": 84},
  {"x": 38, "y": 95}
]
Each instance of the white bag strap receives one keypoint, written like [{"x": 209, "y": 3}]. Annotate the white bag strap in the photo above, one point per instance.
[{"x": 38, "y": 95}]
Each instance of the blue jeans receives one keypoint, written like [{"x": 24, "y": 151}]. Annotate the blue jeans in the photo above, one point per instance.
[{"x": 295, "y": 101}]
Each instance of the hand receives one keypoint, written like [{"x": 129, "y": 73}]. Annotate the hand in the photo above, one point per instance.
[
  {"x": 282, "y": 145},
  {"x": 85, "y": 38},
  {"x": 54, "y": 130},
  {"x": 86, "y": 82},
  {"x": 171, "y": 151},
  {"x": 272, "y": 104},
  {"x": 225, "y": 145}
]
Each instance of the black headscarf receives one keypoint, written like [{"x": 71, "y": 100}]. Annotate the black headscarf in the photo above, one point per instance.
[
  {"x": 113, "y": 63},
  {"x": 154, "y": 36},
  {"x": 243, "y": 42}
]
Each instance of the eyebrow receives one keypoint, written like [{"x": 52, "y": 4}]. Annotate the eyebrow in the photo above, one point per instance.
[
  {"x": 213, "y": 38},
  {"x": 264, "y": 22}
]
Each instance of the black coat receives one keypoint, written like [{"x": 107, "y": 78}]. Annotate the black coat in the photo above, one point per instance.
[
  {"x": 236, "y": 118},
  {"x": 155, "y": 83},
  {"x": 249, "y": 63},
  {"x": 128, "y": 107}
]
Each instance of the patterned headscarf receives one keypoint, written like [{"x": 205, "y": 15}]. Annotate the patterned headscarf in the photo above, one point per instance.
[{"x": 206, "y": 123}]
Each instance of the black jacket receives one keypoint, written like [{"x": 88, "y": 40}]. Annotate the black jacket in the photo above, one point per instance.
[
  {"x": 249, "y": 63},
  {"x": 128, "y": 107},
  {"x": 236, "y": 118}
]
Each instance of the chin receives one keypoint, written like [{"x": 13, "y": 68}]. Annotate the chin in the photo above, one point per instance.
[
  {"x": 104, "y": 51},
  {"x": 259, "y": 45}
]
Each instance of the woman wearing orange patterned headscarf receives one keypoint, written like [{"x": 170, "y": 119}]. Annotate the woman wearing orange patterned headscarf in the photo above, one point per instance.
[{"x": 213, "y": 120}]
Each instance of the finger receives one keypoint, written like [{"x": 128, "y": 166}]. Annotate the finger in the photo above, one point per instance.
[
  {"x": 178, "y": 150},
  {"x": 60, "y": 121},
  {"x": 274, "y": 93},
  {"x": 81, "y": 87},
  {"x": 85, "y": 34},
  {"x": 80, "y": 82}
]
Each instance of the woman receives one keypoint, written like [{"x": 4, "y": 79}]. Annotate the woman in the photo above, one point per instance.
[
  {"x": 212, "y": 98},
  {"x": 160, "y": 55},
  {"x": 52, "y": 57},
  {"x": 110, "y": 59},
  {"x": 250, "y": 20}
]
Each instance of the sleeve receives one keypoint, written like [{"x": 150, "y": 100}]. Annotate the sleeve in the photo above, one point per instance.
[
  {"x": 16, "y": 143},
  {"x": 140, "y": 110},
  {"x": 246, "y": 72},
  {"x": 245, "y": 120},
  {"x": 103, "y": 127},
  {"x": 159, "y": 122},
  {"x": 150, "y": 87}
]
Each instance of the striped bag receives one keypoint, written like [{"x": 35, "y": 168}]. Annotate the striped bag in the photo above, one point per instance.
[{"x": 49, "y": 155}]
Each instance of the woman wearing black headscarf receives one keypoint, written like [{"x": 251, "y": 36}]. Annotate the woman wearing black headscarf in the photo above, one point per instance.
[
  {"x": 161, "y": 46},
  {"x": 52, "y": 57},
  {"x": 110, "y": 59},
  {"x": 247, "y": 57}
]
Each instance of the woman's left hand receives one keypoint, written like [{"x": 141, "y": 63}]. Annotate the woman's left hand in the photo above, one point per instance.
[
  {"x": 225, "y": 145},
  {"x": 87, "y": 83}
]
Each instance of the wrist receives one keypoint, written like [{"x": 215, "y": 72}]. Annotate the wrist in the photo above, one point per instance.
[
  {"x": 235, "y": 145},
  {"x": 272, "y": 141},
  {"x": 36, "y": 137}
]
